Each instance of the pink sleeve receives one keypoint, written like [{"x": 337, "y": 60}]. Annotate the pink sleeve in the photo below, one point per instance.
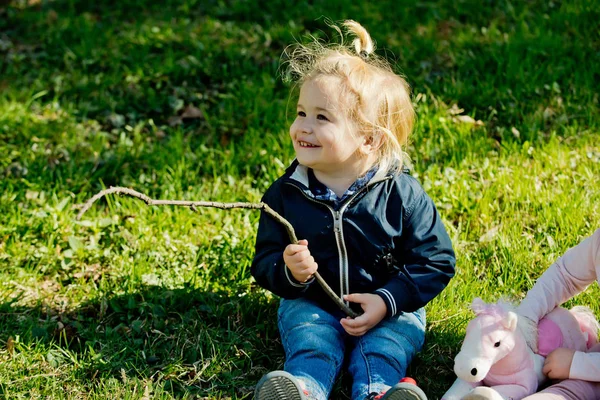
[
  {"x": 569, "y": 275},
  {"x": 585, "y": 366}
]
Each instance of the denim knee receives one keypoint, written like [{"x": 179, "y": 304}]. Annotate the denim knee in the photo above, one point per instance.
[
  {"x": 314, "y": 346},
  {"x": 397, "y": 339},
  {"x": 380, "y": 357},
  {"x": 410, "y": 326}
]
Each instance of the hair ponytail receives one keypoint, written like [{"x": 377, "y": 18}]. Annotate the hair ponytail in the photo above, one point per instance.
[{"x": 363, "y": 43}]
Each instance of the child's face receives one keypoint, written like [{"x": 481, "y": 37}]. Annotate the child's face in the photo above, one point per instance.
[{"x": 324, "y": 137}]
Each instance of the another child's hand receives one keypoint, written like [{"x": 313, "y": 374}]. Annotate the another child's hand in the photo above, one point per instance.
[
  {"x": 558, "y": 363},
  {"x": 374, "y": 311},
  {"x": 299, "y": 261}
]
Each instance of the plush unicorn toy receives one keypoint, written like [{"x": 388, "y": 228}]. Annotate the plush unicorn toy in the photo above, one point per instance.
[{"x": 495, "y": 361}]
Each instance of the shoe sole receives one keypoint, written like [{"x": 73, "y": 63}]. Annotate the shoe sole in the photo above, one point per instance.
[
  {"x": 278, "y": 385},
  {"x": 405, "y": 391}
]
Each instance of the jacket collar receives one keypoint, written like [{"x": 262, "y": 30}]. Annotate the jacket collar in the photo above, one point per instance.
[{"x": 298, "y": 175}]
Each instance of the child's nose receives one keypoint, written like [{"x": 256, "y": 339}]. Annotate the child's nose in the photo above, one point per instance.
[{"x": 306, "y": 126}]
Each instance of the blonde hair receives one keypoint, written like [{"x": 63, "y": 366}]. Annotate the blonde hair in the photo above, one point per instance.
[{"x": 377, "y": 98}]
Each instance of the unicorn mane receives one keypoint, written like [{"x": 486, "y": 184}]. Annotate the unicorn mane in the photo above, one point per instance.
[
  {"x": 526, "y": 327},
  {"x": 500, "y": 308}
]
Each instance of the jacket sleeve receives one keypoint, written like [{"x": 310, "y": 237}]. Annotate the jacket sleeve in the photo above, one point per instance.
[
  {"x": 268, "y": 267},
  {"x": 429, "y": 262},
  {"x": 568, "y": 276}
]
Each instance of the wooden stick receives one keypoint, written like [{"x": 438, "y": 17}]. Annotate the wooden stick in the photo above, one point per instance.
[{"x": 194, "y": 204}]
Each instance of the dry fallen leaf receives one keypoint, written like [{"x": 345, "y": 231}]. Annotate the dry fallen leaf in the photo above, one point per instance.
[
  {"x": 175, "y": 120},
  {"x": 52, "y": 16},
  {"x": 10, "y": 345},
  {"x": 489, "y": 235},
  {"x": 454, "y": 110},
  {"x": 455, "y": 113},
  {"x": 92, "y": 272},
  {"x": 468, "y": 120},
  {"x": 190, "y": 112}
]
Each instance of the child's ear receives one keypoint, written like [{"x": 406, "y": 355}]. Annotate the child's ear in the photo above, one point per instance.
[{"x": 371, "y": 143}]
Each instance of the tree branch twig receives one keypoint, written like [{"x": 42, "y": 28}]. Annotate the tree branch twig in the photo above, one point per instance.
[{"x": 193, "y": 206}]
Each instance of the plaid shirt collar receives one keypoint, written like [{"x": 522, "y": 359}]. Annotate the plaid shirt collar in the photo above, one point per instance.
[{"x": 322, "y": 192}]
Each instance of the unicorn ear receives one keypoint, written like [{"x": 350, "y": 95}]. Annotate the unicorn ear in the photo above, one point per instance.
[
  {"x": 478, "y": 305},
  {"x": 510, "y": 322}
]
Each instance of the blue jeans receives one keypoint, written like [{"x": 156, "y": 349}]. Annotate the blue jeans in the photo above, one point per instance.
[{"x": 316, "y": 347}]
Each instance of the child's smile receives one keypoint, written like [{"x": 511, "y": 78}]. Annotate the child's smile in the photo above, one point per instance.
[{"x": 302, "y": 143}]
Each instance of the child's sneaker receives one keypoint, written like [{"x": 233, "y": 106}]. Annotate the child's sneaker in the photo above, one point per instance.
[
  {"x": 279, "y": 385},
  {"x": 407, "y": 389}
]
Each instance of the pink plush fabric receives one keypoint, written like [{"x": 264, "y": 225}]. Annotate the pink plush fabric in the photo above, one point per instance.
[
  {"x": 495, "y": 354},
  {"x": 568, "y": 276},
  {"x": 550, "y": 337}
]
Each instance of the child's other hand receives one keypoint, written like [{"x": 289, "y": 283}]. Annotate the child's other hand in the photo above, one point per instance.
[
  {"x": 299, "y": 261},
  {"x": 374, "y": 311},
  {"x": 558, "y": 363}
]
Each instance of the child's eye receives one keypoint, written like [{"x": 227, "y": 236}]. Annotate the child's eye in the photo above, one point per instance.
[
  {"x": 322, "y": 117},
  {"x": 301, "y": 114}
]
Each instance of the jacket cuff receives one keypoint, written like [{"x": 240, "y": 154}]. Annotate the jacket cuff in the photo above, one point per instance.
[
  {"x": 395, "y": 294},
  {"x": 389, "y": 301}
]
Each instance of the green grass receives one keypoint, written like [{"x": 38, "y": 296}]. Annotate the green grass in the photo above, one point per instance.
[{"x": 135, "y": 302}]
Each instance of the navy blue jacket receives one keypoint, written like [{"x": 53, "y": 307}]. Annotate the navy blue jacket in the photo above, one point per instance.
[{"x": 386, "y": 239}]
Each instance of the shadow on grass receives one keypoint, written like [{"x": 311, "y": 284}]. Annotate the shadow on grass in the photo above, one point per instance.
[
  {"x": 186, "y": 341},
  {"x": 487, "y": 59}
]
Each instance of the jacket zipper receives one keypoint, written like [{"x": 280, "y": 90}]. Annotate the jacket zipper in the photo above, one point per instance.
[
  {"x": 339, "y": 235},
  {"x": 343, "y": 254}
]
